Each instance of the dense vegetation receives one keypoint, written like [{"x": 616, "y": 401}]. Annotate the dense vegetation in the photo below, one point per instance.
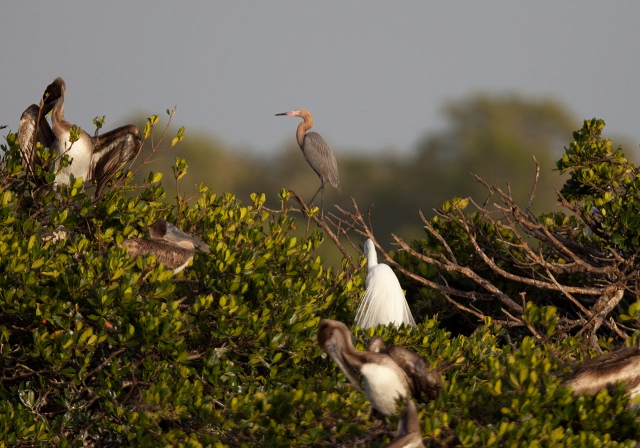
[{"x": 102, "y": 349}]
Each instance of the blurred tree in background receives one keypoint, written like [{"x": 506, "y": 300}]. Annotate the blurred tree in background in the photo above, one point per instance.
[{"x": 493, "y": 136}]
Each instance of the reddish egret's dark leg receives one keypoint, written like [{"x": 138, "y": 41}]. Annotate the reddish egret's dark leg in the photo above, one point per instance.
[{"x": 321, "y": 191}]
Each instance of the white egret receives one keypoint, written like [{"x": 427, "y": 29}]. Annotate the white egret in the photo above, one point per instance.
[{"x": 383, "y": 301}]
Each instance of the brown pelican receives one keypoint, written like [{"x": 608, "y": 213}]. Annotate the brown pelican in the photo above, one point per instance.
[
  {"x": 605, "y": 370},
  {"x": 384, "y": 379},
  {"x": 425, "y": 383},
  {"x": 409, "y": 435},
  {"x": 383, "y": 301},
  {"x": 163, "y": 230},
  {"x": 171, "y": 246},
  {"x": 35, "y": 128},
  {"x": 171, "y": 256},
  {"x": 92, "y": 158}
]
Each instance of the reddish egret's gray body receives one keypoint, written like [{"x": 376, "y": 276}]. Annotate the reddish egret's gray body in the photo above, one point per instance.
[
  {"x": 316, "y": 151},
  {"x": 98, "y": 157}
]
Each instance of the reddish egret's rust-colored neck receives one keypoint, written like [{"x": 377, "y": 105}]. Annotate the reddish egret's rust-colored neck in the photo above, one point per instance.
[{"x": 304, "y": 126}]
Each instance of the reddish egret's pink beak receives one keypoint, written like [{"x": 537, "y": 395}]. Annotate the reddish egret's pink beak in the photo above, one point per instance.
[{"x": 284, "y": 113}]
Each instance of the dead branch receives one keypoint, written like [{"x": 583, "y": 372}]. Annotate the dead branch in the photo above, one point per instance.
[{"x": 517, "y": 248}]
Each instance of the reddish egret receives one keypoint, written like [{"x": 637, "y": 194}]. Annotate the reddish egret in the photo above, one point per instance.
[
  {"x": 93, "y": 158},
  {"x": 383, "y": 301},
  {"x": 384, "y": 379},
  {"x": 171, "y": 246},
  {"x": 317, "y": 153},
  {"x": 605, "y": 370},
  {"x": 409, "y": 435}
]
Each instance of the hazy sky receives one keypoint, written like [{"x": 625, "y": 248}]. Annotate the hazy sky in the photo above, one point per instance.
[{"x": 375, "y": 74}]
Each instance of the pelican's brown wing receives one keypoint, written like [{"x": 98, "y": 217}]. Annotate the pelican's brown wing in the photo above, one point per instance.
[
  {"x": 34, "y": 128},
  {"x": 171, "y": 256},
  {"x": 606, "y": 370},
  {"x": 424, "y": 382},
  {"x": 111, "y": 152}
]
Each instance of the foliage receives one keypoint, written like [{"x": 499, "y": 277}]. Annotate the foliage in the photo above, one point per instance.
[
  {"x": 99, "y": 349},
  {"x": 547, "y": 275}
]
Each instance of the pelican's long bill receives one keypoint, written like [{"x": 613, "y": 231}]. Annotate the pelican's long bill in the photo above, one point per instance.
[{"x": 334, "y": 346}]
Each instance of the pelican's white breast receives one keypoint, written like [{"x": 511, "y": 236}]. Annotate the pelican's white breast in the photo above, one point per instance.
[
  {"x": 383, "y": 385},
  {"x": 80, "y": 153}
]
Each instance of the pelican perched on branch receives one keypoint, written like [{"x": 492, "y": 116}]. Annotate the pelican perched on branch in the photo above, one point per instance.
[
  {"x": 171, "y": 246},
  {"x": 383, "y": 301},
  {"x": 163, "y": 230},
  {"x": 385, "y": 380},
  {"x": 93, "y": 158},
  {"x": 425, "y": 384},
  {"x": 605, "y": 370}
]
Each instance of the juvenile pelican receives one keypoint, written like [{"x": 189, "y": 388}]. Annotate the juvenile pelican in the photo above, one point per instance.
[
  {"x": 34, "y": 128},
  {"x": 425, "y": 384},
  {"x": 171, "y": 246},
  {"x": 163, "y": 230},
  {"x": 605, "y": 370},
  {"x": 384, "y": 380},
  {"x": 92, "y": 158},
  {"x": 383, "y": 301},
  {"x": 409, "y": 435},
  {"x": 171, "y": 256}
]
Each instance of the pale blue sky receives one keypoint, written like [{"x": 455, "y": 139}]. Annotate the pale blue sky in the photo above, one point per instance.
[{"x": 375, "y": 74}]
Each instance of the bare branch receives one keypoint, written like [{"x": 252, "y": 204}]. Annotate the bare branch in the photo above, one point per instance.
[{"x": 510, "y": 246}]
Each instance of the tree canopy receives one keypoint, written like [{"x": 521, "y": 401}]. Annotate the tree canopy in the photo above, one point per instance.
[{"x": 101, "y": 349}]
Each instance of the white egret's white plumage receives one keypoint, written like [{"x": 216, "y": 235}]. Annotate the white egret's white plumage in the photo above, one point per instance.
[
  {"x": 604, "y": 371},
  {"x": 383, "y": 301}
]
